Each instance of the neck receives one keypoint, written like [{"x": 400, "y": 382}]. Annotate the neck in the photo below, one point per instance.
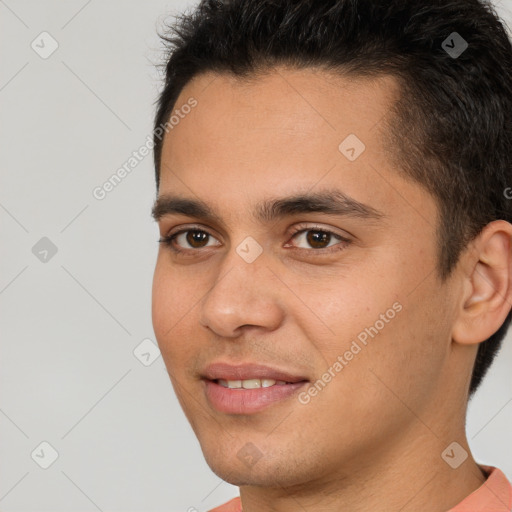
[{"x": 407, "y": 475}]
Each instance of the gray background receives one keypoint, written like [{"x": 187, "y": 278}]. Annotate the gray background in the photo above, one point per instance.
[{"x": 71, "y": 323}]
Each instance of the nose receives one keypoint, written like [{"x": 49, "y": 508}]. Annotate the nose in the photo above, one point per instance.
[{"x": 243, "y": 294}]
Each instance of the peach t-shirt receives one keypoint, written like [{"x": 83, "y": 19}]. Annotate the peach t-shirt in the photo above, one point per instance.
[{"x": 494, "y": 495}]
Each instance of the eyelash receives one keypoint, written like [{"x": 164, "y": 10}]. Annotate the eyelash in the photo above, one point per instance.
[{"x": 168, "y": 240}]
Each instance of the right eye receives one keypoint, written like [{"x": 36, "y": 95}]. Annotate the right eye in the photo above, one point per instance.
[{"x": 195, "y": 238}]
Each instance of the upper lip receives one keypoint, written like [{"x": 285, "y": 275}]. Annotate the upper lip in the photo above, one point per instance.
[{"x": 248, "y": 371}]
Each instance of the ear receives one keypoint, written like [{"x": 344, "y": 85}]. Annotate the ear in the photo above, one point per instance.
[{"x": 487, "y": 286}]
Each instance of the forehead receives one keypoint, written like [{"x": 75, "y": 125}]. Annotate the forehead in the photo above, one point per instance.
[
  {"x": 283, "y": 108},
  {"x": 283, "y": 132}
]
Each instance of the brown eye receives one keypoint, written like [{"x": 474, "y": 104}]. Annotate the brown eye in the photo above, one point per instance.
[
  {"x": 196, "y": 238},
  {"x": 317, "y": 239},
  {"x": 188, "y": 240}
]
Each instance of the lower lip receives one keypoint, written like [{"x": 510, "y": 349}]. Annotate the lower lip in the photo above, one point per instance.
[{"x": 247, "y": 401}]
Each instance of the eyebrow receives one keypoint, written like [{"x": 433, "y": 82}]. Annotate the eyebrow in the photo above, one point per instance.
[{"x": 333, "y": 202}]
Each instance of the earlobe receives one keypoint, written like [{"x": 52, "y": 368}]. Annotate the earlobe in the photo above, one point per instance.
[{"x": 487, "y": 289}]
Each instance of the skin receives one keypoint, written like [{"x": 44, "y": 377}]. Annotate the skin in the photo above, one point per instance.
[{"x": 372, "y": 439}]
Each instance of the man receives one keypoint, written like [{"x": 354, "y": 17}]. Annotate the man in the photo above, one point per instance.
[{"x": 334, "y": 277}]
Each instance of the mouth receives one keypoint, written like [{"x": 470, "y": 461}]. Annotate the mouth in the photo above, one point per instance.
[
  {"x": 249, "y": 400},
  {"x": 248, "y": 388},
  {"x": 250, "y": 383},
  {"x": 255, "y": 375}
]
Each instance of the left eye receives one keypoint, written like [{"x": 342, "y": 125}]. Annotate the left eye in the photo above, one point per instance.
[{"x": 318, "y": 238}]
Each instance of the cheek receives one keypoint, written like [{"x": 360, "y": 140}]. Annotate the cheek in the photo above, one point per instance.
[
  {"x": 161, "y": 299},
  {"x": 395, "y": 366},
  {"x": 171, "y": 297},
  {"x": 345, "y": 309},
  {"x": 170, "y": 312},
  {"x": 380, "y": 330},
  {"x": 403, "y": 363}
]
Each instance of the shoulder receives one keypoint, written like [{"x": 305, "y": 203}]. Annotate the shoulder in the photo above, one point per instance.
[{"x": 234, "y": 505}]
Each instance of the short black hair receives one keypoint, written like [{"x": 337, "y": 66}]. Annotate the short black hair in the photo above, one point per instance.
[{"x": 450, "y": 130}]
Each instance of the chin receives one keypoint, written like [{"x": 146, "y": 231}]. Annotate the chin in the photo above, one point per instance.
[
  {"x": 238, "y": 474},
  {"x": 234, "y": 467}
]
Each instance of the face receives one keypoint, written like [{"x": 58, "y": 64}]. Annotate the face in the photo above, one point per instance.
[{"x": 312, "y": 261}]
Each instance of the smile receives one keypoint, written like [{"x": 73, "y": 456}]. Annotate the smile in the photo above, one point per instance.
[
  {"x": 249, "y": 396},
  {"x": 250, "y": 383}
]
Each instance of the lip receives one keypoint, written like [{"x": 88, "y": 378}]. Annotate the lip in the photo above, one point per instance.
[
  {"x": 248, "y": 401},
  {"x": 247, "y": 371}
]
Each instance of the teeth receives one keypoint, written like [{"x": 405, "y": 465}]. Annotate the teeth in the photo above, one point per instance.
[{"x": 250, "y": 383}]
